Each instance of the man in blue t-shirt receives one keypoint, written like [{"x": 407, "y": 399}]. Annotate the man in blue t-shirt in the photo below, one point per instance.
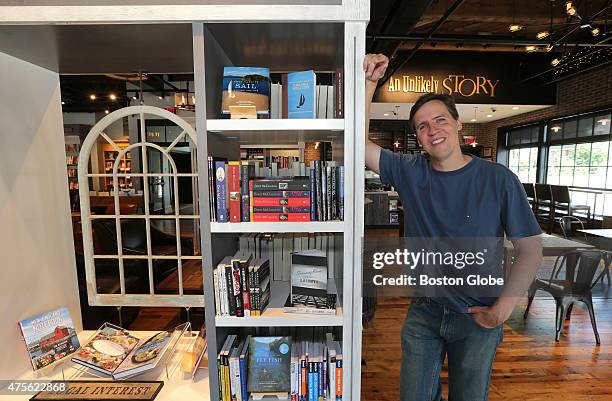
[{"x": 448, "y": 194}]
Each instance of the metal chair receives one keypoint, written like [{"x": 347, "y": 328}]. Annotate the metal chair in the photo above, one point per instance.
[
  {"x": 545, "y": 211},
  {"x": 562, "y": 202},
  {"x": 576, "y": 288}
]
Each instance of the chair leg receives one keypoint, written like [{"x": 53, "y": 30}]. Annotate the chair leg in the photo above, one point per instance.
[
  {"x": 569, "y": 311},
  {"x": 530, "y": 295},
  {"x": 559, "y": 319},
  {"x": 589, "y": 304}
]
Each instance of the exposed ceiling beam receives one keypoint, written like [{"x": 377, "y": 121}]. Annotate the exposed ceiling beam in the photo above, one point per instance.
[{"x": 477, "y": 39}]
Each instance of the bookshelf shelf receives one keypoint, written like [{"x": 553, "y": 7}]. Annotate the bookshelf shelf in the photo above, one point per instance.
[
  {"x": 329, "y": 124},
  {"x": 273, "y": 315},
  {"x": 283, "y": 227}
]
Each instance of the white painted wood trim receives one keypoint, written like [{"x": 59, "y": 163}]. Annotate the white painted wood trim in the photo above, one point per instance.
[
  {"x": 279, "y": 227},
  {"x": 321, "y": 124}
]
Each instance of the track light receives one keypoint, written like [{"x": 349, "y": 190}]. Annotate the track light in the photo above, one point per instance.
[
  {"x": 570, "y": 9},
  {"x": 595, "y": 31},
  {"x": 112, "y": 96},
  {"x": 92, "y": 96},
  {"x": 530, "y": 48},
  {"x": 515, "y": 27},
  {"x": 106, "y": 111},
  {"x": 542, "y": 35},
  {"x": 549, "y": 47},
  {"x": 555, "y": 62}
]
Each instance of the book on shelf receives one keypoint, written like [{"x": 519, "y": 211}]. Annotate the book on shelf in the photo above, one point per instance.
[
  {"x": 301, "y": 94},
  {"x": 309, "y": 284},
  {"x": 49, "y": 337},
  {"x": 246, "y": 87},
  {"x": 113, "y": 351},
  {"x": 269, "y": 365},
  {"x": 305, "y": 365}
]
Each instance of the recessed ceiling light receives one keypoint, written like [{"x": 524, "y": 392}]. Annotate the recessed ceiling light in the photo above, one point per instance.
[
  {"x": 489, "y": 115},
  {"x": 112, "y": 96},
  {"x": 63, "y": 102},
  {"x": 473, "y": 120},
  {"x": 106, "y": 111},
  {"x": 386, "y": 114},
  {"x": 515, "y": 108},
  {"x": 515, "y": 27},
  {"x": 530, "y": 48},
  {"x": 555, "y": 62},
  {"x": 595, "y": 31},
  {"x": 160, "y": 98},
  {"x": 92, "y": 97},
  {"x": 542, "y": 35}
]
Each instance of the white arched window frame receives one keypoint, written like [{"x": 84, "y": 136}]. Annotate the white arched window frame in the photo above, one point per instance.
[{"x": 97, "y": 131}]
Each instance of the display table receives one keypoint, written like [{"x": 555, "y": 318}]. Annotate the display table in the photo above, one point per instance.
[{"x": 178, "y": 387}]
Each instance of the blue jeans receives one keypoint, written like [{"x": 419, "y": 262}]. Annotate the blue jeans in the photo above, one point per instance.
[{"x": 432, "y": 331}]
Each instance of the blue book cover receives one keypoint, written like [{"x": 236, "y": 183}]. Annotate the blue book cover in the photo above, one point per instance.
[
  {"x": 221, "y": 191},
  {"x": 301, "y": 94},
  {"x": 244, "y": 354},
  {"x": 246, "y": 86},
  {"x": 269, "y": 365},
  {"x": 49, "y": 337}
]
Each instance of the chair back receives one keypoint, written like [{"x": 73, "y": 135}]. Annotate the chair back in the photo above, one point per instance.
[
  {"x": 607, "y": 222},
  {"x": 543, "y": 192},
  {"x": 560, "y": 194},
  {"x": 586, "y": 268},
  {"x": 567, "y": 224},
  {"x": 529, "y": 190}
]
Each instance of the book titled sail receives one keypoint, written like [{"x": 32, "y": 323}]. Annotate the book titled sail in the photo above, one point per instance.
[
  {"x": 269, "y": 365},
  {"x": 301, "y": 94},
  {"x": 246, "y": 86},
  {"x": 49, "y": 337}
]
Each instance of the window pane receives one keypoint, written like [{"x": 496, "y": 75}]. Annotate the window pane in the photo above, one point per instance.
[
  {"x": 583, "y": 154},
  {"x": 599, "y": 154},
  {"x": 533, "y": 157},
  {"x": 514, "y": 169},
  {"x": 553, "y": 175},
  {"x": 597, "y": 177},
  {"x": 555, "y": 131},
  {"x": 566, "y": 176},
  {"x": 535, "y": 134},
  {"x": 524, "y": 158},
  {"x": 602, "y": 124},
  {"x": 513, "y": 158},
  {"x": 532, "y": 174},
  {"x": 581, "y": 177},
  {"x": 554, "y": 155},
  {"x": 585, "y": 126},
  {"x": 523, "y": 174},
  {"x": 567, "y": 155},
  {"x": 609, "y": 180},
  {"x": 525, "y": 135},
  {"x": 569, "y": 129}
]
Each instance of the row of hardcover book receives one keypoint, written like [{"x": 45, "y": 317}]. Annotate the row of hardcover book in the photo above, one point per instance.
[
  {"x": 297, "y": 96},
  {"x": 278, "y": 247},
  {"x": 242, "y": 285},
  {"x": 303, "y": 369},
  {"x": 238, "y": 195}
]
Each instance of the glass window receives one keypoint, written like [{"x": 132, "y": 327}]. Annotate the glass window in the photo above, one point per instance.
[
  {"x": 524, "y": 163},
  {"x": 583, "y": 155},
  {"x": 566, "y": 176},
  {"x": 599, "y": 154},
  {"x": 567, "y": 154},
  {"x": 597, "y": 177},
  {"x": 569, "y": 129},
  {"x": 552, "y": 177},
  {"x": 602, "y": 125},
  {"x": 585, "y": 126}
]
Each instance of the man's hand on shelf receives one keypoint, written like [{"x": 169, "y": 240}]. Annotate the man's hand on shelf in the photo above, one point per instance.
[{"x": 375, "y": 66}]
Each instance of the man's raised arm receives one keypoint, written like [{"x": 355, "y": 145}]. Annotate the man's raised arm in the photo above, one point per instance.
[{"x": 374, "y": 66}]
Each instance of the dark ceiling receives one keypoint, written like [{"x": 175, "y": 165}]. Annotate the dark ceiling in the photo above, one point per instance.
[{"x": 401, "y": 28}]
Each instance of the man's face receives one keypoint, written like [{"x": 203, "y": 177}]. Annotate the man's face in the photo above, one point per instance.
[{"x": 437, "y": 131}]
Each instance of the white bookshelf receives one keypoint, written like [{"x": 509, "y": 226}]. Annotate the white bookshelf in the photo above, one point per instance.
[
  {"x": 283, "y": 227},
  {"x": 275, "y": 125}
]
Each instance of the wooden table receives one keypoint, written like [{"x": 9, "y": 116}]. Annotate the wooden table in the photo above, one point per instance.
[{"x": 551, "y": 246}]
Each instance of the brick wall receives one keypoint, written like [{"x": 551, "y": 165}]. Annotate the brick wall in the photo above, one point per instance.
[
  {"x": 310, "y": 153},
  {"x": 586, "y": 92}
]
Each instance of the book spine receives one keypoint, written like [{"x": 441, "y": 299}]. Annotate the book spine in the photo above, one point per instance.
[
  {"x": 303, "y": 378},
  {"x": 231, "y": 300},
  {"x": 341, "y": 197},
  {"x": 211, "y": 190},
  {"x": 281, "y": 194},
  {"x": 272, "y": 217},
  {"x": 233, "y": 183},
  {"x": 221, "y": 199},
  {"x": 220, "y": 375},
  {"x": 243, "y": 377},
  {"x": 338, "y": 379},
  {"x": 217, "y": 293},
  {"x": 222, "y": 290},
  {"x": 311, "y": 381},
  {"x": 313, "y": 194},
  {"x": 319, "y": 199},
  {"x": 246, "y": 294},
  {"x": 334, "y": 197},
  {"x": 292, "y": 202},
  {"x": 244, "y": 193},
  {"x": 237, "y": 290},
  {"x": 328, "y": 188},
  {"x": 281, "y": 185},
  {"x": 339, "y": 94},
  {"x": 281, "y": 209}
]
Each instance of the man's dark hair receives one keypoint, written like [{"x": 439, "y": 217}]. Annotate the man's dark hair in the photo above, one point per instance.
[{"x": 448, "y": 101}]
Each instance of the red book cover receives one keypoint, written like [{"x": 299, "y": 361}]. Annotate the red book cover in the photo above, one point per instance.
[
  {"x": 281, "y": 201},
  {"x": 339, "y": 93},
  {"x": 233, "y": 183},
  {"x": 272, "y": 217}
]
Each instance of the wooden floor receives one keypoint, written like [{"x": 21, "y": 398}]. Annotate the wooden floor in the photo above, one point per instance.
[{"x": 529, "y": 364}]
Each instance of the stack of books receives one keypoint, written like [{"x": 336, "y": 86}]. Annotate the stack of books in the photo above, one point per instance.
[
  {"x": 242, "y": 285},
  {"x": 301, "y": 193},
  {"x": 302, "y": 367}
]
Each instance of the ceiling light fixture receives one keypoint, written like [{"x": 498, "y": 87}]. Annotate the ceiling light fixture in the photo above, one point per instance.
[
  {"x": 555, "y": 62},
  {"x": 489, "y": 115},
  {"x": 160, "y": 97},
  {"x": 474, "y": 119},
  {"x": 542, "y": 35},
  {"x": 92, "y": 97},
  {"x": 530, "y": 48},
  {"x": 595, "y": 31},
  {"x": 555, "y": 129},
  {"x": 549, "y": 47},
  {"x": 514, "y": 27},
  {"x": 570, "y": 9},
  {"x": 134, "y": 97},
  {"x": 112, "y": 96},
  {"x": 515, "y": 108},
  {"x": 63, "y": 102},
  {"x": 603, "y": 121},
  {"x": 106, "y": 111}
]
